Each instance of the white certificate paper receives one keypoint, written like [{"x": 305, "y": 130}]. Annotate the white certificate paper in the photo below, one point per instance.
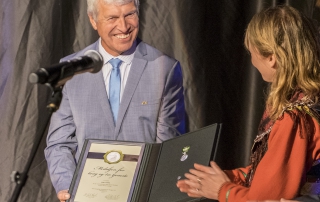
[{"x": 101, "y": 181}]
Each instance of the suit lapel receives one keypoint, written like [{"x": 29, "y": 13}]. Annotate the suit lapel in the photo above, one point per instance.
[
  {"x": 102, "y": 96},
  {"x": 136, "y": 71}
]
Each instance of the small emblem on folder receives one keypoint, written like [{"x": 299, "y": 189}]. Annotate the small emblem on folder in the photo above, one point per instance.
[{"x": 184, "y": 152}]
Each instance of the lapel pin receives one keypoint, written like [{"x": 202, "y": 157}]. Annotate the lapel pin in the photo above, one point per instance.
[{"x": 144, "y": 103}]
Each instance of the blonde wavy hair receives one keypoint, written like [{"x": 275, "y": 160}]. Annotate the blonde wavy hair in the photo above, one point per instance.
[{"x": 293, "y": 39}]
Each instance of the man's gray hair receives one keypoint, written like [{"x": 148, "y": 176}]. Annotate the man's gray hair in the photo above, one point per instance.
[{"x": 93, "y": 8}]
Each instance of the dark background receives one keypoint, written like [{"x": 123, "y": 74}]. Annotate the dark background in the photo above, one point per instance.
[{"x": 206, "y": 36}]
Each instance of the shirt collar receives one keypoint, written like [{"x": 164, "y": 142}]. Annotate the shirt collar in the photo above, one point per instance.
[{"x": 126, "y": 56}]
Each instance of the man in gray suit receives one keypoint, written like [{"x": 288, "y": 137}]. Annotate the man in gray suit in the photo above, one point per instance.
[{"x": 137, "y": 96}]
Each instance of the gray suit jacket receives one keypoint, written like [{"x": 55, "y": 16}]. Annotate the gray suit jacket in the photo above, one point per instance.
[{"x": 151, "y": 110}]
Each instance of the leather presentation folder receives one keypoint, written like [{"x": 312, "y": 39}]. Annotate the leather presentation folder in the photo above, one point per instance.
[{"x": 149, "y": 175}]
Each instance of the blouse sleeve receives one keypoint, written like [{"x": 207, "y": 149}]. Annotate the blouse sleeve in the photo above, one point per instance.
[
  {"x": 238, "y": 176},
  {"x": 282, "y": 170}
]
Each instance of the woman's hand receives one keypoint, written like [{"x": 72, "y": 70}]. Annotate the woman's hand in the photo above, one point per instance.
[{"x": 203, "y": 181}]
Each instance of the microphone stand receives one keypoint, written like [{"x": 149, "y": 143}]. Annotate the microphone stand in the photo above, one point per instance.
[
  {"x": 21, "y": 178},
  {"x": 55, "y": 77}
]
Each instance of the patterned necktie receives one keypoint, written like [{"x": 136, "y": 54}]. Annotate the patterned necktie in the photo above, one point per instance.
[{"x": 114, "y": 87}]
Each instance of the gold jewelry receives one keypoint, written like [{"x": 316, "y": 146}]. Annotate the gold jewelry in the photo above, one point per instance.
[{"x": 199, "y": 180}]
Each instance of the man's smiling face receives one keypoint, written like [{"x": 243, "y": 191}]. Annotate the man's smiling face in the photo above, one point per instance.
[{"x": 117, "y": 25}]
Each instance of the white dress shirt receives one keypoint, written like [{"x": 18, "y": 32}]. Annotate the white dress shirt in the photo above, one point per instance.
[{"x": 125, "y": 66}]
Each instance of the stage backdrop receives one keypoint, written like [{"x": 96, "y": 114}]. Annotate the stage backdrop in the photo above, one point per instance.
[{"x": 206, "y": 36}]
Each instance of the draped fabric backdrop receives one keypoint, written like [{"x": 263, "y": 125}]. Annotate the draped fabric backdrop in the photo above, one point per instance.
[{"x": 206, "y": 36}]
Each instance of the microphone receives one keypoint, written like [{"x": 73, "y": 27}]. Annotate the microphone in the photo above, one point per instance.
[{"x": 58, "y": 74}]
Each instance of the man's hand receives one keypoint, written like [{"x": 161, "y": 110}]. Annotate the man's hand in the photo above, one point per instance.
[{"x": 63, "y": 195}]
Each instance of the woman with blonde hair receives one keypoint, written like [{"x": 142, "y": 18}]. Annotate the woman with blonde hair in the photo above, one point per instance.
[{"x": 284, "y": 47}]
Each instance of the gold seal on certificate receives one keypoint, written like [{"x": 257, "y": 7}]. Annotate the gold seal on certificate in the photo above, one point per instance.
[{"x": 113, "y": 157}]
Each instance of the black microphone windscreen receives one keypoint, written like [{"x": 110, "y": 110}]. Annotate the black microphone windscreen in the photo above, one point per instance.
[
  {"x": 97, "y": 57},
  {"x": 91, "y": 61}
]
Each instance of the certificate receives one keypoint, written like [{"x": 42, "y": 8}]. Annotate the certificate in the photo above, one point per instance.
[
  {"x": 120, "y": 171},
  {"x": 108, "y": 173}
]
